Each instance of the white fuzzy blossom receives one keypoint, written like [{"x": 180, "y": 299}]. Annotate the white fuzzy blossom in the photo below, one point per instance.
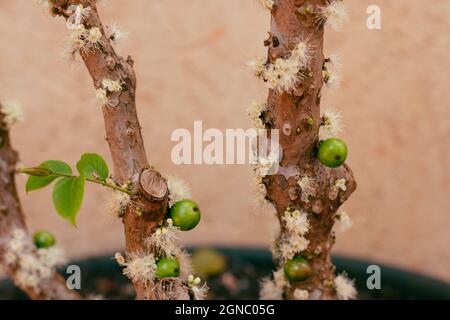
[
  {"x": 112, "y": 85},
  {"x": 296, "y": 221},
  {"x": 291, "y": 245},
  {"x": 254, "y": 111},
  {"x": 199, "y": 292},
  {"x": 340, "y": 184},
  {"x": 138, "y": 267},
  {"x": 83, "y": 40},
  {"x": 178, "y": 190},
  {"x": 268, "y": 4},
  {"x": 164, "y": 239},
  {"x": 13, "y": 112},
  {"x": 307, "y": 187},
  {"x": 117, "y": 202},
  {"x": 279, "y": 278},
  {"x": 334, "y": 14},
  {"x": 31, "y": 268},
  {"x": 345, "y": 222},
  {"x": 270, "y": 291},
  {"x": 285, "y": 73},
  {"x": 101, "y": 95},
  {"x": 300, "y": 294},
  {"x": 331, "y": 124},
  {"x": 332, "y": 73},
  {"x": 115, "y": 34},
  {"x": 345, "y": 288}
]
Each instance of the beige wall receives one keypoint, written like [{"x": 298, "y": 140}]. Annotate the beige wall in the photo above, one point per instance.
[{"x": 190, "y": 61}]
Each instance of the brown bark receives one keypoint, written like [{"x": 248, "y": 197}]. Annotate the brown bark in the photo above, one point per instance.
[
  {"x": 123, "y": 134},
  {"x": 12, "y": 218},
  {"x": 295, "y": 108}
]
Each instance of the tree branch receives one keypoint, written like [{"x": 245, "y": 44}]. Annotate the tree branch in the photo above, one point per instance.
[
  {"x": 12, "y": 221},
  {"x": 299, "y": 109},
  {"x": 124, "y": 137}
]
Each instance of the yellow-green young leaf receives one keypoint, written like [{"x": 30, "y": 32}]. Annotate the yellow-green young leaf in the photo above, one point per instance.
[
  {"x": 93, "y": 165},
  {"x": 56, "y": 166},
  {"x": 68, "y": 196}
]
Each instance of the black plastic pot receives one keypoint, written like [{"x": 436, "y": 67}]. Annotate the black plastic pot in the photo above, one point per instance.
[{"x": 245, "y": 268}]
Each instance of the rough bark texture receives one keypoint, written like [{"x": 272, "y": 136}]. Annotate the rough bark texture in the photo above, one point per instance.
[
  {"x": 294, "y": 108},
  {"x": 12, "y": 218},
  {"x": 123, "y": 134}
]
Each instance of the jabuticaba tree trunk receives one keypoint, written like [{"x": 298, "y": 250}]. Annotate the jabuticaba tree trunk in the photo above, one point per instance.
[
  {"x": 123, "y": 133},
  {"x": 12, "y": 218},
  {"x": 299, "y": 147}
]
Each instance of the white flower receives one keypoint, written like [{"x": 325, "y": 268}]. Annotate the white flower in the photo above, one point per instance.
[
  {"x": 52, "y": 257},
  {"x": 111, "y": 85},
  {"x": 280, "y": 279},
  {"x": 18, "y": 241},
  {"x": 301, "y": 53},
  {"x": 345, "y": 288},
  {"x": 115, "y": 34},
  {"x": 296, "y": 221},
  {"x": 199, "y": 293},
  {"x": 300, "y": 294},
  {"x": 292, "y": 245},
  {"x": 178, "y": 190},
  {"x": 13, "y": 112},
  {"x": 254, "y": 111},
  {"x": 138, "y": 267},
  {"x": 332, "y": 73},
  {"x": 270, "y": 291},
  {"x": 258, "y": 66},
  {"x": 345, "y": 222},
  {"x": 307, "y": 186},
  {"x": 340, "y": 184},
  {"x": 94, "y": 37},
  {"x": 267, "y": 165},
  {"x": 334, "y": 14},
  {"x": 331, "y": 124},
  {"x": 118, "y": 202},
  {"x": 268, "y": 4},
  {"x": 164, "y": 240},
  {"x": 283, "y": 75},
  {"x": 102, "y": 97}
]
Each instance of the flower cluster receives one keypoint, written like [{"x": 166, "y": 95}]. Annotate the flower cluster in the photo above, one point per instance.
[
  {"x": 293, "y": 241},
  {"x": 331, "y": 124},
  {"x": 199, "y": 292},
  {"x": 285, "y": 73},
  {"x": 138, "y": 267},
  {"x": 255, "y": 112},
  {"x": 178, "y": 190},
  {"x": 12, "y": 111},
  {"x": 345, "y": 288},
  {"x": 307, "y": 187},
  {"x": 107, "y": 86},
  {"x": 32, "y": 266},
  {"x": 345, "y": 222},
  {"x": 334, "y": 14},
  {"x": 332, "y": 71}
]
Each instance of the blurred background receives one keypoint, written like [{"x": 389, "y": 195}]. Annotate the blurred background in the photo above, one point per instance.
[{"x": 190, "y": 58}]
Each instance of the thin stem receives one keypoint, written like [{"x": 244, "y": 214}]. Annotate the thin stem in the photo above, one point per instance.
[{"x": 93, "y": 180}]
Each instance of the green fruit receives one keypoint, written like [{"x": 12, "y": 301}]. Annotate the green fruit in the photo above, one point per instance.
[
  {"x": 332, "y": 152},
  {"x": 185, "y": 214},
  {"x": 167, "y": 268},
  {"x": 44, "y": 239},
  {"x": 209, "y": 262},
  {"x": 297, "y": 269}
]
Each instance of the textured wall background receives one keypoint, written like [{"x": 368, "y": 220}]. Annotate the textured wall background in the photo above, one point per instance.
[{"x": 190, "y": 61}]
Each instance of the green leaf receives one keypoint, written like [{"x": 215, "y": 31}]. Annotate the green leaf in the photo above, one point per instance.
[
  {"x": 68, "y": 197},
  {"x": 93, "y": 165},
  {"x": 35, "y": 182}
]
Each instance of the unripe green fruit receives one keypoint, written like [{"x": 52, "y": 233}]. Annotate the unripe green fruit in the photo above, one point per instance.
[
  {"x": 167, "y": 268},
  {"x": 209, "y": 262},
  {"x": 44, "y": 239},
  {"x": 297, "y": 269},
  {"x": 185, "y": 214},
  {"x": 332, "y": 152}
]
